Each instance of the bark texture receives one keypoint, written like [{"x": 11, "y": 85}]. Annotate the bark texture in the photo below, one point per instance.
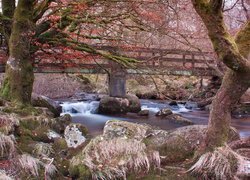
[
  {"x": 19, "y": 75},
  {"x": 234, "y": 54}
]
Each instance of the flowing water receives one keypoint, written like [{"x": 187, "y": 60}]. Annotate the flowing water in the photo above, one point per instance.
[{"x": 85, "y": 113}]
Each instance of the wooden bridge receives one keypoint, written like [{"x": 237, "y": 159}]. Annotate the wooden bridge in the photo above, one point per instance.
[{"x": 152, "y": 61}]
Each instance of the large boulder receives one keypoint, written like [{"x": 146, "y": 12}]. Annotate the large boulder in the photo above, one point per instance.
[
  {"x": 115, "y": 105},
  {"x": 115, "y": 154},
  {"x": 42, "y": 101}
]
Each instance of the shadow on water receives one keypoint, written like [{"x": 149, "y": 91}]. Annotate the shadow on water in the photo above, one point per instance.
[{"x": 84, "y": 113}]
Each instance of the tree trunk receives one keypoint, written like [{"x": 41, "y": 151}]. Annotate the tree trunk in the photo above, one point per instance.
[
  {"x": 233, "y": 87},
  {"x": 237, "y": 78},
  {"x": 19, "y": 76}
]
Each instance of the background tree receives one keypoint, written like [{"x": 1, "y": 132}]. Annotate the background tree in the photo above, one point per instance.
[{"x": 19, "y": 72}]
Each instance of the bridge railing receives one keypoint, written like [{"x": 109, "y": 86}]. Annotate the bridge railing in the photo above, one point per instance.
[{"x": 151, "y": 60}]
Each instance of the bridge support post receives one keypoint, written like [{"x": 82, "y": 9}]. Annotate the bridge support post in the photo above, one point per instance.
[{"x": 117, "y": 81}]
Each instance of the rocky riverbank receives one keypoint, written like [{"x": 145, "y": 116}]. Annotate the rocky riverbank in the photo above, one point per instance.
[{"x": 36, "y": 143}]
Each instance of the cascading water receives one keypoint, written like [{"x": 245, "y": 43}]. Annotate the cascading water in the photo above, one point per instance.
[{"x": 77, "y": 108}]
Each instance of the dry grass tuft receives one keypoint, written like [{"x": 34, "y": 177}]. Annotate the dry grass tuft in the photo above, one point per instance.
[
  {"x": 33, "y": 165},
  {"x": 30, "y": 164},
  {"x": 50, "y": 169},
  {"x": 7, "y": 123},
  {"x": 4, "y": 176},
  {"x": 7, "y": 145},
  {"x": 221, "y": 164},
  {"x": 112, "y": 159},
  {"x": 43, "y": 149}
]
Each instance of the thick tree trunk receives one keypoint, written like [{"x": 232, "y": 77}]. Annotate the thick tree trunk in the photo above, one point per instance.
[
  {"x": 237, "y": 78},
  {"x": 233, "y": 87},
  {"x": 19, "y": 75}
]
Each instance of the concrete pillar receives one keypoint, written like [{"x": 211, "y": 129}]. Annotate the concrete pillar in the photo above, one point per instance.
[{"x": 117, "y": 81}]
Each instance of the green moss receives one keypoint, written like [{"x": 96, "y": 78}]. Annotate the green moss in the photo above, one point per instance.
[
  {"x": 25, "y": 144},
  {"x": 29, "y": 124},
  {"x": 175, "y": 152},
  {"x": 84, "y": 130},
  {"x": 80, "y": 172},
  {"x": 60, "y": 144},
  {"x": 63, "y": 167},
  {"x": 5, "y": 90},
  {"x": 40, "y": 134},
  {"x": 22, "y": 110}
]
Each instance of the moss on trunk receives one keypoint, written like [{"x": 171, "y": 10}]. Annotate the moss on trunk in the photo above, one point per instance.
[{"x": 19, "y": 75}]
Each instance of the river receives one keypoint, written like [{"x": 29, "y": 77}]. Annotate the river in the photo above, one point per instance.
[{"x": 85, "y": 113}]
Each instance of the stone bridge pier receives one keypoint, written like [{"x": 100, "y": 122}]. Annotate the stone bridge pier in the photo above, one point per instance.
[
  {"x": 117, "y": 81},
  {"x": 118, "y": 101}
]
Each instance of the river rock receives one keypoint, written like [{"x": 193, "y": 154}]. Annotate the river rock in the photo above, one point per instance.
[
  {"x": 191, "y": 105},
  {"x": 144, "y": 112},
  {"x": 115, "y": 105},
  {"x": 173, "y": 103},
  {"x": 42, "y": 101},
  {"x": 176, "y": 118},
  {"x": 134, "y": 103},
  {"x": 124, "y": 129},
  {"x": 164, "y": 112},
  {"x": 74, "y": 135}
]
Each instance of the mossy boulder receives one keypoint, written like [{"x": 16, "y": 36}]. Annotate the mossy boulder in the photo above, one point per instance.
[
  {"x": 126, "y": 130},
  {"x": 181, "y": 143},
  {"x": 42, "y": 101},
  {"x": 60, "y": 123},
  {"x": 115, "y": 105}
]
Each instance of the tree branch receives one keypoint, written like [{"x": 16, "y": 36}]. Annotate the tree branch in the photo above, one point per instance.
[{"x": 224, "y": 44}]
